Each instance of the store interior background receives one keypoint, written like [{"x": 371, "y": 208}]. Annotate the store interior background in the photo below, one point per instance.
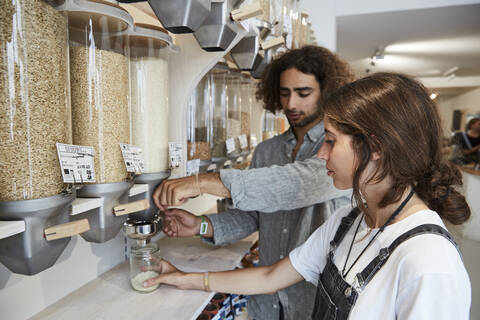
[{"x": 425, "y": 38}]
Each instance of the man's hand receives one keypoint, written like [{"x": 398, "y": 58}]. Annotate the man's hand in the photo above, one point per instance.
[
  {"x": 181, "y": 223},
  {"x": 175, "y": 192}
]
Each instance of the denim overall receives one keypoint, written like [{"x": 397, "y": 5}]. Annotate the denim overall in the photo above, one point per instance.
[{"x": 335, "y": 297}]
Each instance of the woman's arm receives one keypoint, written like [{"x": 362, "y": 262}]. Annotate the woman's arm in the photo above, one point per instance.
[{"x": 257, "y": 280}]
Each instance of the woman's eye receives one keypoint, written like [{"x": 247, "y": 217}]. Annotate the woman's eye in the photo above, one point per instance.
[{"x": 330, "y": 142}]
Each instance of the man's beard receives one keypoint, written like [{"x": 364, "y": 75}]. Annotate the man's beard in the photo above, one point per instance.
[{"x": 307, "y": 120}]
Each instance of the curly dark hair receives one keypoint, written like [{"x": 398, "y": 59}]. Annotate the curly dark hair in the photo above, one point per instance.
[{"x": 329, "y": 70}]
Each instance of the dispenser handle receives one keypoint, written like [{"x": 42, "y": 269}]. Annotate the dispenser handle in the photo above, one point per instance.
[
  {"x": 272, "y": 43},
  {"x": 67, "y": 229},
  {"x": 247, "y": 12},
  {"x": 131, "y": 207}
]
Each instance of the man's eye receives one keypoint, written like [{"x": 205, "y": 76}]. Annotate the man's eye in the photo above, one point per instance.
[
  {"x": 284, "y": 94},
  {"x": 304, "y": 95}
]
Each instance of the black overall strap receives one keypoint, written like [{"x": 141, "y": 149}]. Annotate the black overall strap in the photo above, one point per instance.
[
  {"x": 374, "y": 266},
  {"x": 342, "y": 230}
]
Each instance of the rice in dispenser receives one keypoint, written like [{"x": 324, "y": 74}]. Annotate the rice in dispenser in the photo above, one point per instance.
[
  {"x": 36, "y": 114},
  {"x": 268, "y": 130},
  {"x": 200, "y": 126},
  {"x": 99, "y": 77},
  {"x": 246, "y": 103},
  {"x": 149, "y": 52}
]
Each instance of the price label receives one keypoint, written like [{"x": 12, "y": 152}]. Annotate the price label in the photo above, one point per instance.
[
  {"x": 230, "y": 143},
  {"x": 133, "y": 158},
  {"x": 253, "y": 141},
  {"x": 193, "y": 167},
  {"x": 76, "y": 163},
  {"x": 175, "y": 154},
  {"x": 243, "y": 141}
]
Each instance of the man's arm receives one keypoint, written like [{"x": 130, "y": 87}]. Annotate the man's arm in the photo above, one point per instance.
[{"x": 295, "y": 185}]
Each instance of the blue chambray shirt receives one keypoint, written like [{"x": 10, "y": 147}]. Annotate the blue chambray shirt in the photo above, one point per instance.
[{"x": 281, "y": 227}]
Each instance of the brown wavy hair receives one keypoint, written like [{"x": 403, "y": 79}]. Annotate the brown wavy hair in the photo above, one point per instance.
[
  {"x": 393, "y": 114},
  {"x": 329, "y": 70}
]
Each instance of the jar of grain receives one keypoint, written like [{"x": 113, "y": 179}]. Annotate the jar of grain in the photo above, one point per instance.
[
  {"x": 149, "y": 98},
  {"x": 234, "y": 112},
  {"x": 246, "y": 112},
  {"x": 144, "y": 265},
  {"x": 268, "y": 130},
  {"x": 100, "y": 83},
  {"x": 220, "y": 110},
  {"x": 200, "y": 122},
  {"x": 34, "y": 98}
]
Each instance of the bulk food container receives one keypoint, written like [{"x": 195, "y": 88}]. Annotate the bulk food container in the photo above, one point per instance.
[
  {"x": 200, "y": 123},
  {"x": 246, "y": 113},
  {"x": 34, "y": 98},
  {"x": 233, "y": 115},
  {"x": 100, "y": 83},
  {"x": 149, "y": 94},
  {"x": 220, "y": 110},
  {"x": 268, "y": 130}
]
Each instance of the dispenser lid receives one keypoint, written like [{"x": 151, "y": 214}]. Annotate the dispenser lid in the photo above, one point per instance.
[
  {"x": 104, "y": 16},
  {"x": 149, "y": 36}
]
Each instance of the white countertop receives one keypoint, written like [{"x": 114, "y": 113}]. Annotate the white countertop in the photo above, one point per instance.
[{"x": 110, "y": 296}]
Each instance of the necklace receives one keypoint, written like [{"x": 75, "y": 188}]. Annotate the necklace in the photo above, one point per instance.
[{"x": 394, "y": 214}]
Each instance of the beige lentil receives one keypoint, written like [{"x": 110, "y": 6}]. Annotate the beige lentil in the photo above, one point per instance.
[
  {"x": 34, "y": 99},
  {"x": 103, "y": 120}
]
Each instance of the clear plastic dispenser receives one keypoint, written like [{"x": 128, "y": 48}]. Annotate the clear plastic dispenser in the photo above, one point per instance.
[
  {"x": 246, "y": 105},
  {"x": 200, "y": 125},
  {"x": 35, "y": 107},
  {"x": 99, "y": 77},
  {"x": 149, "y": 52},
  {"x": 218, "y": 76},
  {"x": 268, "y": 128},
  {"x": 233, "y": 118}
]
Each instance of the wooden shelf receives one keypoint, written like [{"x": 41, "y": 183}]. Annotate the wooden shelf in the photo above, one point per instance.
[
  {"x": 10, "y": 228},
  {"x": 81, "y": 205}
]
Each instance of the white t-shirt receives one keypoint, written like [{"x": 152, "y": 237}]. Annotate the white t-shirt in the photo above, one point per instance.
[{"x": 424, "y": 278}]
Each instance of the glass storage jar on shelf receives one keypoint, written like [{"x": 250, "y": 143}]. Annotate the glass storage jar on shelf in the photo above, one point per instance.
[
  {"x": 200, "y": 124},
  {"x": 233, "y": 115},
  {"x": 149, "y": 94},
  {"x": 99, "y": 57},
  {"x": 144, "y": 265},
  {"x": 245, "y": 114},
  {"x": 268, "y": 130},
  {"x": 34, "y": 98},
  {"x": 218, "y": 77}
]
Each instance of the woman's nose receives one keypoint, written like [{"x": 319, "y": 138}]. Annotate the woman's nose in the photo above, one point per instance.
[{"x": 323, "y": 152}]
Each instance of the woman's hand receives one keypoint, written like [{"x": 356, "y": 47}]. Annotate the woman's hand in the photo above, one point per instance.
[{"x": 168, "y": 274}]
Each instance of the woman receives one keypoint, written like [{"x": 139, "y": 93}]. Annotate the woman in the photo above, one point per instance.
[
  {"x": 469, "y": 142},
  {"x": 391, "y": 256}
]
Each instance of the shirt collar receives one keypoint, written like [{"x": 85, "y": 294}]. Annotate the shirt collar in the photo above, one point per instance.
[{"x": 314, "y": 134}]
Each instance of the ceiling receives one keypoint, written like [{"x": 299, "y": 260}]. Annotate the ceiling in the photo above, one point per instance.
[{"x": 424, "y": 43}]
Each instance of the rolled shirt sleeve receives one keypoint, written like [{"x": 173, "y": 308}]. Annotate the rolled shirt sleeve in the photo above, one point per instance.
[{"x": 269, "y": 189}]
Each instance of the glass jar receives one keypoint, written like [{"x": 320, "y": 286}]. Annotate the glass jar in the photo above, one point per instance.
[
  {"x": 149, "y": 98},
  {"x": 220, "y": 111},
  {"x": 268, "y": 130},
  {"x": 234, "y": 115},
  {"x": 144, "y": 265},
  {"x": 246, "y": 113},
  {"x": 100, "y": 83},
  {"x": 200, "y": 122},
  {"x": 34, "y": 98}
]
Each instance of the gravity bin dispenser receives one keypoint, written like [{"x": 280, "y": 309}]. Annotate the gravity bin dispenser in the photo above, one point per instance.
[
  {"x": 33, "y": 204},
  {"x": 99, "y": 64}
]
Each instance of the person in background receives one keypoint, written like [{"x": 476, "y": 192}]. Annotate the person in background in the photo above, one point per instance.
[
  {"x": 468, "y": 141},
  {"x": 391, "y": 256},
  {"x": 296, "y": 83}
]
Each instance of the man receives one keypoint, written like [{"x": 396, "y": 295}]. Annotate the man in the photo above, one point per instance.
[{"x": 295, "y": 83}]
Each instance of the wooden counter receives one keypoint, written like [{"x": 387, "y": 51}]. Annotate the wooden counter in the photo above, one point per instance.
[{"x": 111, "y": 297}]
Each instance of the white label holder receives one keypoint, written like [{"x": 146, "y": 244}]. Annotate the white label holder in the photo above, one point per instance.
[
  {"x": 76, "y": 163},
  {"x": 133, "y": 158}
]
